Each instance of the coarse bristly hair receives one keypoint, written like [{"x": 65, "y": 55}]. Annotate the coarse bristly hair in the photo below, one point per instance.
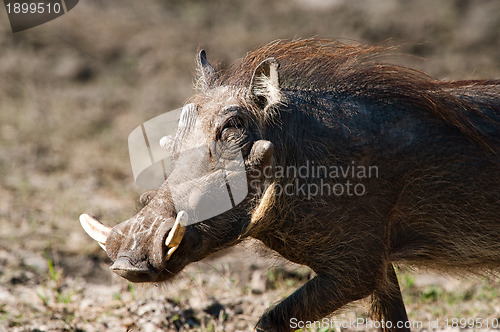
[
  {"x": 435, "y": 205},
  {"x": 321, "y": 66},
  {"x": 358, "y": 70}
]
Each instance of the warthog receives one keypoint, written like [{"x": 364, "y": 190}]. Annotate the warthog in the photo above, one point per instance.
[{"x": 420, "y": 157}]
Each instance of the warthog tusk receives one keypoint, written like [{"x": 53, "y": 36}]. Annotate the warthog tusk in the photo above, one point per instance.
[
  {"x": 95, "y": 229},
  {"x": 176, "y": 234}
]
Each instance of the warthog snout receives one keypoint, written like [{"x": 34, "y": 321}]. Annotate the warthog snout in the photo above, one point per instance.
[{"x": 139, "y": 251}]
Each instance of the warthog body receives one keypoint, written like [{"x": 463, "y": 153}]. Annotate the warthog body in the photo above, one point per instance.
[{"x": 430, "y": 198}]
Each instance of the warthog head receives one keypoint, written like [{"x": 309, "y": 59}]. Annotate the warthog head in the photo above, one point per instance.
[{"x": 218, "y": 142}]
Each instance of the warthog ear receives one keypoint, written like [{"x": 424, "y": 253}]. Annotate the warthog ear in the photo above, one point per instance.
[
  {"x": 208, "y": 74},
  {"x": 265, "y": 85}
]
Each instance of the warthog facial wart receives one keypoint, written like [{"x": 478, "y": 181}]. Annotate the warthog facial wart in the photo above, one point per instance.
[{"x": 329, "y": 156}]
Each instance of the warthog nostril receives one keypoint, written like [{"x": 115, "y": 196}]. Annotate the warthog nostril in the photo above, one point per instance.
[
  {"x": 139, "y": 272},
  {"x": 124, "y": 263}
]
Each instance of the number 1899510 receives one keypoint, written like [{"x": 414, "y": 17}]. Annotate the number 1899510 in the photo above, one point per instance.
[{"x": 33, "y": 8}]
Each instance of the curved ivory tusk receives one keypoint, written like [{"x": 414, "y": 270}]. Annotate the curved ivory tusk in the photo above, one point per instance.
[
  {"x": 95, "y": 229},
  {"x": 176, "y": 234},
  {"x": 102, "y": 245}
]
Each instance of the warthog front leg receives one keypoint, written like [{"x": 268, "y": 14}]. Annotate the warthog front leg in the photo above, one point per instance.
[
  {"x": 322, "y": 295},
  {"x": 318, "y": 298}
]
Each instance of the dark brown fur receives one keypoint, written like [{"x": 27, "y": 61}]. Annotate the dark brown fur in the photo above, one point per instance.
[
  {"x": 323, "y": 65},
  {"x": 435, "y": 203}
]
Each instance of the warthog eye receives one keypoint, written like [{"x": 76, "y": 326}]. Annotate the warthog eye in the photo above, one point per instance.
[{"x": 229, "y": 127}]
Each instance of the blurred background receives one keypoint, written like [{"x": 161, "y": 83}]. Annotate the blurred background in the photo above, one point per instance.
[{"x": 73, "y": 89}]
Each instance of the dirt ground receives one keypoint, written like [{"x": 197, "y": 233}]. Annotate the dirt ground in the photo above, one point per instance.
[{"x": 73, "y": 89}]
